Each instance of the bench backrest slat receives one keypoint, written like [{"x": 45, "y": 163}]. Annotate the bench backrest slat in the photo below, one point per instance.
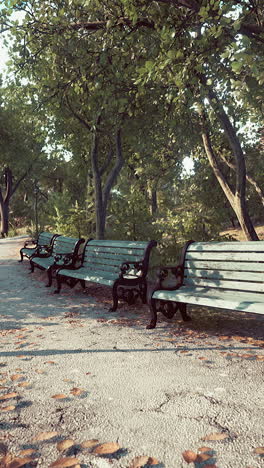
[
  {"x": 45, "y": 238},
  {"x": 107, "y": 255},
  {"x": 247, "y": 246},
  {"x": 225, "y": 284},
  {"x": 63, "y": 244},
  {"x": 225, "y": 265},
  {"x": 230, "y": 266}
]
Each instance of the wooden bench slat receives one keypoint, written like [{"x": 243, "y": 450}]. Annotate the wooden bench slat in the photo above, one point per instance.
[
  {"x": 117, "y": 250},
  {"x": 102, "y": 267},
  {"x": 225, "y": 284},
  {"x": 119, "y": 243},
  {"x": 89, "y": 276},
  {"x": 45, "y": 238},
  {"x": 227, "y": 266},
  {"x": 103, "y": 261},
  {"x": 225, "y": 256},
  {"x": 247, "y": 246},
  {"x": 241, "y": 301},
  {"x": 109, "y": 256},
  {"x": 223, "y": 275}
]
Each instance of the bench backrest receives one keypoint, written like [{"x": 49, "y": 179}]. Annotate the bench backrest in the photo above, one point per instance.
[
  {"x": 46, "y": 238},
  {"x": 225, "y": 265},
  {"x": 65, "y": 245},
  {"x": 107, "y": 255}
]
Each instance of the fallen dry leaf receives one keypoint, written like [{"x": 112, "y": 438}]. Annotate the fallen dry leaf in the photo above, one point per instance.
[
  {"x": 8, "y": 396},
  {"x": 65, "y": 444},
  {"x": 76, "y": 391},
  {"x": 45, "y": 436},
  {"x": 24, "y": 384},
  {"x": 139, "y": 462},
  {"x": 7, "y": 408},
  {"x": 65, "y": 462},
  {"x": 216, "y": 436},
  {"x": 18, "y": 462},
  {"x": 259, "y": 450},
  {"x": 6, "y": 460},
  {"x": 59, "y": 396},
  {"x": 89, "y": 443},
  {"x": 189, "y": 456},
  {"x": 202, "y": 457},
  {"x": 16, "y": 377},
  {"x": 106, "y": 448}
]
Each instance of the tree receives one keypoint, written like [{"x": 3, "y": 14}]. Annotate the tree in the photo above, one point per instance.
[{"x": 20, "y": 147}]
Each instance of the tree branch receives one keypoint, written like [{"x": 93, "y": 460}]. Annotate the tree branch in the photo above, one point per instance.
[
  {"x": 248, "y": 177},
  {"x": 77, "y": 115},
  {"x": 9, "y": 184},
  {"x": 213, "y": 159},
  {"x": 107, "y": 162}
]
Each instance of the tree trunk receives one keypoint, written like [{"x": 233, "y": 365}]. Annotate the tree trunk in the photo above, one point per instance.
[
  {"x": 154, "y": 202},
  {"x": 249, "y": 178},
  {"x": 4, "y": 212},
  {"x": 99, "y": 209},
  {"x": 236, "y": 199},
  {"x": 102, "y": 194},
  {"x": 10, "y": 189}
]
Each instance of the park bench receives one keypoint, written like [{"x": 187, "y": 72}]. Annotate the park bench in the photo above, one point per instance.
[
  {"x": 122, "y": 265},
  {"x": 64, "y": 252},
  {"x": 43, "y": 244},
  {"x": 227, "y": 275}
]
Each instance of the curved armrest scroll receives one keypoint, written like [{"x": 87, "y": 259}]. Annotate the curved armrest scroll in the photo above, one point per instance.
[
  {"x": 163, "y": 273},
  {"x": 63, "y": 259},
  {"x": 126, "y": 266}
]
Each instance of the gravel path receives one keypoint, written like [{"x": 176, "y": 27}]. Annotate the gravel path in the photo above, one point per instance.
[{"x": 69, "y": 369}]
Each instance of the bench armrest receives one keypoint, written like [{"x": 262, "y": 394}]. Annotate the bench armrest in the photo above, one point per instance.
[
  {"x": 163, "y": 274},
  {"x": 64, "y": 259},
  {"x": 126, "y": 266},
  {"x": 28, "y": 242},
  {"x": 43, "y": 251}
]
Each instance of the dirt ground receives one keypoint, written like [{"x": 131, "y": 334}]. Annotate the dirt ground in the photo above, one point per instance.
[{"x": 80, "y": 386}]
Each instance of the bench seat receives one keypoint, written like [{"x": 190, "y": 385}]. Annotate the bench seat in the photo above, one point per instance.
[
  {"x": 122, "y": 265},
  {"x": 226, "y": 275},
  {"x": 85, "y": 274},
  {"x": 240, "y": 300}
]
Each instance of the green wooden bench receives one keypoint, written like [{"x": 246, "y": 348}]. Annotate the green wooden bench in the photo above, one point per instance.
[
  {"x": 43, "y": 243},
  {"x": 64, "y": 252},
  {"x": 227, "y": 275},
  {"x": 122, "y": 265}
]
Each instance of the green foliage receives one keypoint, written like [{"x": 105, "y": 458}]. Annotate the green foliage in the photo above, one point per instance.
[{"x": 65, "y": 218}]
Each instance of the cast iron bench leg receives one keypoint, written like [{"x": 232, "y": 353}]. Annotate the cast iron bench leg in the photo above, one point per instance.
[
  {"x": 49, "y": 272},
  {"x": 32, "y": 266},
  {"x": 183, "y": 311},
  {"x": 21, "y": 255},
  {"x": 115, "y": 299},
  {"x": 153, "y": 310},
  {"x": 58, "y": 280},
  {"x": 143, "y": 292}
]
